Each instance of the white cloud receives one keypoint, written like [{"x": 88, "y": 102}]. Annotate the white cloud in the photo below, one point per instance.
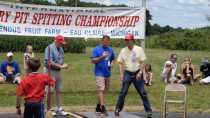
[
  {"x": 105, "y": 2},
  {"x": 179, "y": 13},
  {"x": 134, "y": 3},
  {"x": 52, "y": 1},
  {"x": 179, "y": 7},
  {"x": 193, "y": 2},
  {"x": 155, "y": 8}
]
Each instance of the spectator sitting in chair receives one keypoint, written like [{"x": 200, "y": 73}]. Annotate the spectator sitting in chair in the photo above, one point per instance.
[
  {"x": 10, "y": 69},
  {"x": 205, "y": 69}
]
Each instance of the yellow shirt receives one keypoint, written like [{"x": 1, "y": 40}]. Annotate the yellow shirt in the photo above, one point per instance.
[{"x": 131, "y": 58}]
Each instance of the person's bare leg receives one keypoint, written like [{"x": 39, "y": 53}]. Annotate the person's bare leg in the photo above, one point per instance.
[
  {"x": 191, "y": 80},
  {"x": 150, "y": 82},
  {"x": 101, "y": 97},
  {"x": 98, "y": 98},
  {"x": 58, "y": 98}
]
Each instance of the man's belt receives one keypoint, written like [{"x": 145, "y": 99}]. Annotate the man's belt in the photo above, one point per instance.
[{"x": 132, "y": 73}]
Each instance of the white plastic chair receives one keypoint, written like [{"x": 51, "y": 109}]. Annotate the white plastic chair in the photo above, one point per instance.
[{"x": 180, "y": 89}]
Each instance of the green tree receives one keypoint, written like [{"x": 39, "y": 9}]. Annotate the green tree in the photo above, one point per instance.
[
  {"x": 156, "y": 29},
  {"x": 148, "y": 24},
  {"x": 26, "y": 1},
  {"x": 41, "y": 2},
  {"x": 167, "y": 28}
]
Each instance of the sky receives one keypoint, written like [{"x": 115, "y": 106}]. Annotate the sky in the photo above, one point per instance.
[{"x": 175, "y": 13}]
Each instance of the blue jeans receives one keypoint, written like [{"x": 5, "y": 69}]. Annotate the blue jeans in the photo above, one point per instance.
[{"x": 139, "y": 85}]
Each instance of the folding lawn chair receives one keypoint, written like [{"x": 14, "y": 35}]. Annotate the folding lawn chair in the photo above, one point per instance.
[{"x": 178, "y": 89}]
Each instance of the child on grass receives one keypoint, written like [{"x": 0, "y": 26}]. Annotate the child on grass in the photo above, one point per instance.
[
  {"x": 167, "y": 71},
  {"x": 148, "y": 75},
  {"x": 27, "y": 55},
  {"x": 32, "y": 87}
]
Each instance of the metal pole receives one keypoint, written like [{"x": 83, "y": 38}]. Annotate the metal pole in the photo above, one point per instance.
[
  {"x": 75, "y": 3},
  {"x": 144, "y": 3},
  {"x": 144, "y": 8}
]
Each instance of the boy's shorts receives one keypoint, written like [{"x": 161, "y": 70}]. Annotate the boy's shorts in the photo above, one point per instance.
[
  {"x": 102, "y": 83},
  {"x": 34, "y": 109}
]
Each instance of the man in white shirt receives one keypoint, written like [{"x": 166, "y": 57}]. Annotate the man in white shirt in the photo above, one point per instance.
[{"x": 131, "y": 63}]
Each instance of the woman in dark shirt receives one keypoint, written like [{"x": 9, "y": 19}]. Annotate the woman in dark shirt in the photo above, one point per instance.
[{"x": 187, "y": 71}]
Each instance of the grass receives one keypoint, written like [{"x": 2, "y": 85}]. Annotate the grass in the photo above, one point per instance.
[
  {"x": 79, "y": 82},
  {"x": 9, "y": 0}
]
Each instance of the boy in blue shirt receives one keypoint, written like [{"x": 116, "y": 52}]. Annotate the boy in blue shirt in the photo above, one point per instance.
[{"x": 103, "y": 57}]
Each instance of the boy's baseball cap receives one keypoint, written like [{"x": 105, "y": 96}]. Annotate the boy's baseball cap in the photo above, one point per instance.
[
  {"x": 60, "y": 39},
  {"x": 9, "y": 54}
]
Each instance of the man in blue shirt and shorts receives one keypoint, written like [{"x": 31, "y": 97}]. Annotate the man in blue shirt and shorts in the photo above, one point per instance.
[{"x": 103, "y": 58}]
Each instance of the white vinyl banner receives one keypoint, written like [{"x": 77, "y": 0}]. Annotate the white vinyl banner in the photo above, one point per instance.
[{"x": 83, "y": 22}]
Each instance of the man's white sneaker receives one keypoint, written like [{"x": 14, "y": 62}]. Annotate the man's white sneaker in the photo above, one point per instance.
[{"x": 61, "y": 112}]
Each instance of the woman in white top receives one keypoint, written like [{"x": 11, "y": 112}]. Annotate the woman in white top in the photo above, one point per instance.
[{"x": 169, "y": 70}]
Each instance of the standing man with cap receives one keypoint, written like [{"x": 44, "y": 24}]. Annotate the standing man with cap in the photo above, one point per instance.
[
  {"x": 131, "y": 64},
  {"x": 103, "y": 57},
  {"x": 54, "y": 63},
  {"x": 10, "y": 69}
]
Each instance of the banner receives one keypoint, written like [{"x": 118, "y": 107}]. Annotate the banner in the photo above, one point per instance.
[{"x": 82, "y": 22}]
